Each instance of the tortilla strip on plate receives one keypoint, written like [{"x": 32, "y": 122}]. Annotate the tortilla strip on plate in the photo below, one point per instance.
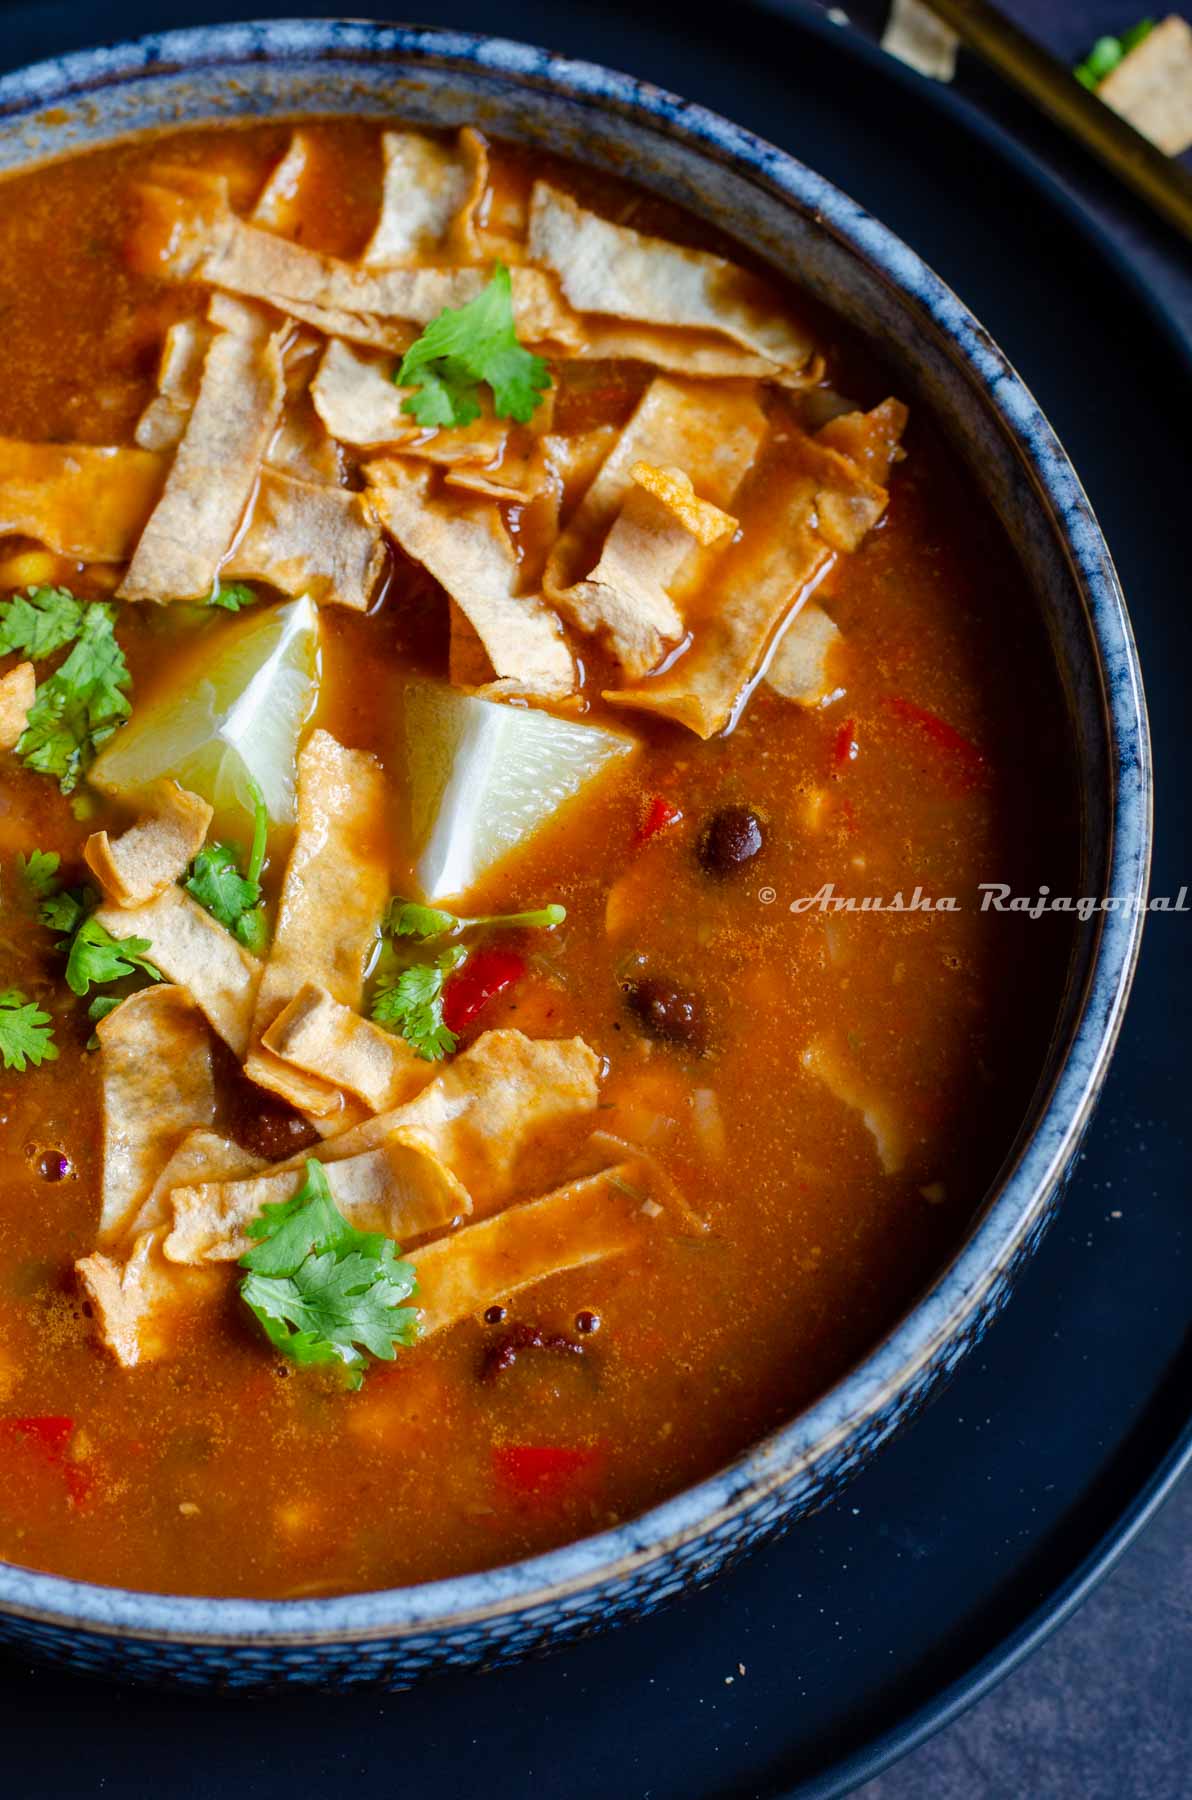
[
  {"x": 155, "y": 1067},
  {"x": 465, "y": 546},
  {"x": 196, "y": 952},
  {"x": 334, "y": 891},
  {"x": 582, "y": 1222},
  {"x": 805, "y": 505},
  {"x": 18, "y": 688},
  {"x": 713, "y": 433},
  {"x": 88, "y": 501},
  {"x": 215, "y": 468},
  {"x": 154, "y": 853},
  {"x": 607, "y": 268},
  {"x": 324, "y": 1038},
  {"x": 357, "y": 401},
  {"x": 308, "y": 537},
  {"x": 661, "y": 524},
  {"x": 800, "y": 668},
  {"x": 429, "y": 198},
  {"x": 401, "y": 1189},
  {"x": 482, "y": 1110}
]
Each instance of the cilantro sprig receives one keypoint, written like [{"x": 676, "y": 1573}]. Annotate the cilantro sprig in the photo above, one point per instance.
[
  {"x": 323, "y": 1292},
  {"x": 93, "y": 956},
  {"x": 1108, "y": 52},
  {"x": 80, "y": 705},
  {"x": 408, "y": 918},
  {"x": 39, "y": 873},
  {"x": 233, "y": 597},
  {"x": 411, "y": 1003},
  {"x": 232, "y": 898},
  {"x": 26, "y": 1033},
  {"x": 467, "y": 345}
]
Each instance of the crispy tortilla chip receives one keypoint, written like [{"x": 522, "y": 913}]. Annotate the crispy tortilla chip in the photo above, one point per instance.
[
  {"x": 804, "y": 506},
  {"x": 279, "y": 204},
  {"x": 202, "y": 1155},
  {"x": 887, "y": 1127},
  {"x": 140, "y": 1306},
  {"x": 1152, "y": 86},
  {"x": 661, "y": 524},
  {"x": 163, "y": 421},
  {"x": 152, "y": 854},
  {"x": 699, "y": 355},
  {"x": 335, "y": 888},
  {"x": 429, "y": 199},
  {"x": 192, "y": 949},
  {"x": 215, "y": 467},
  {"x": 357, "y": 401},
  {"x": 18, "y": 687},
  {"x": 607, "y": 268},
  {"x": 486, "y": 1107},
  {"x": 465, "y": 546},
  {"x": 401, "y": 1189},
  {"x": 801, "y": 666},
  {"x": 155, "y": 1067},
  {"x": 308, "y": 537},
  {"x": 583, "y": 1222},
  {"x": 713, "y": 433},
  {"x": 322, "y": 1037},
  {"x": 87, "y": 501}
]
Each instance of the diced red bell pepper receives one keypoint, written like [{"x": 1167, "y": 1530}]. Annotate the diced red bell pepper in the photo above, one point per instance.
[
  {"x": 959, "y": 755},
  {"x": 50, "y": 1435},
  {"x": 486, "y": 974},
  {"x": 660, "y": 813},
  {"x": 541, "y": 1471}
]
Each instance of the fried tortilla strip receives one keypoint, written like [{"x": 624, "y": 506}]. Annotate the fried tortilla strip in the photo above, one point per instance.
[
  {"x": 806, "y": 505},
  {"x": 215, "y": 468},
  {"x": 1152, "y": 86},
  {"x": 324, "y": 1038},
  {"x": 155, "y": 1067},
  {"x": 712, "y": 433},
  {"x": 87, "y": 501},
  {"x": 401, "y": 1189},
  {"x": 355, "y": 397},
  {"x": 383, "y": 334},
  {"x": 154, "y": 853},
  {"x": 888, "y": 1128},
  {"x": 194, "y": 950},
  {"x": 335, "y": 888},
  {"x": 179, "y": 372},
  {"x": 702, "y": 355},
  {"x": 202, "y": 1156},
  {"x": 308, "y": 537},
  {"x": 485, "y": 1108},
  {"x": 801, "y": 666},
  {"x": 279, "y": 203},
  {"x": 583, "y": 1222},
  {"x": 661, "y": 524},
  {"x": 429, "y": 199},
  {"x": 607, "y": 268},
  {"x": 18, "y": 686},
  {"x": 464, "y": 544}
]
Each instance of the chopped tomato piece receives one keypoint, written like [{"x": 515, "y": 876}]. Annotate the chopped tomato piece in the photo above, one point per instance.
[
  {"x": 958, "y": 753},
  {"x": 485, "y": 975},
  {"x": 541, "y": 1471},
  {"x": 659, "y": 814},
  {"x": 49, "y": 1435}
]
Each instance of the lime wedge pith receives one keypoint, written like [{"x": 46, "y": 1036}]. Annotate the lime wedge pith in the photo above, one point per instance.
[{"x": 232, "y": 715}]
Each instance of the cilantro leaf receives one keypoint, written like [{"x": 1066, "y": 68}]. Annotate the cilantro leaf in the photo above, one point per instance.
[
  {"x": 79, "y": 706},
  {"x": 323, "y": 1292},
  {"x": 413, "y": 1004},
  {"x": 407, "y": 918},
  {"x": 1108, "y": 52},
  {"x": 233, "y": 598},
  {"x": 100, "y": 1007},
  {"x": 66, "y": 911},
  {"x": 467, "y": 345},
  {"x": 26, "y": 1034},
  {"x": 39, "y": 621},
  {"x": 232, "y": 898},
  {"x": 94, "y": 957},
  {"x": 39, "y": 872}
]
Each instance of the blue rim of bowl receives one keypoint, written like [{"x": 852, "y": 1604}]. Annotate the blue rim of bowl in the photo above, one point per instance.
[{"x": 1020, "y": 1193}]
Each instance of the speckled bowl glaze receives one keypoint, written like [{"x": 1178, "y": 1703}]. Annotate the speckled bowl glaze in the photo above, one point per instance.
[{"x": 941, "y": 355}]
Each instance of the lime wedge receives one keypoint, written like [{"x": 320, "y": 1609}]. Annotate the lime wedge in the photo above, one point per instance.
[
  {"x": 228, "y": 715},
  {"x": 483, "y": 777}
]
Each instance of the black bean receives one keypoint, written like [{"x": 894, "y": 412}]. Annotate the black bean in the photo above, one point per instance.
[
  {"x": 731, "y": 838},
  {"x": 587, "y": 1322},
  {"x": 665, "y": 1011}
]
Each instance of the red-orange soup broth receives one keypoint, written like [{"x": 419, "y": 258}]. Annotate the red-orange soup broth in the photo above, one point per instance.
[{"x": 829, "y": 1092}]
